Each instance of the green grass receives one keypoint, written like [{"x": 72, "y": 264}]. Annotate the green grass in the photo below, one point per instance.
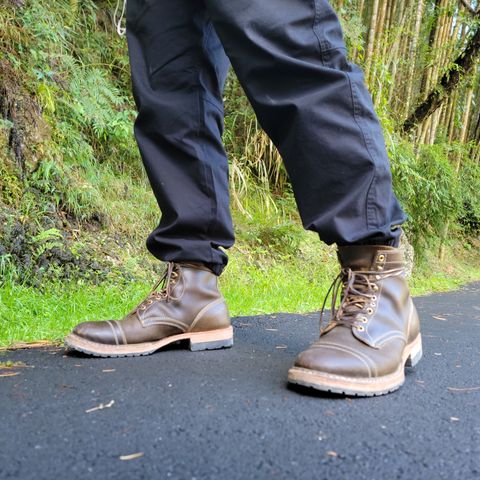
[
  {"x": 84, "y": 192},
  {"x": 28, "y": 315},
  {"x": 251, "y": 286},
  {"x": 444, "y": 278}
]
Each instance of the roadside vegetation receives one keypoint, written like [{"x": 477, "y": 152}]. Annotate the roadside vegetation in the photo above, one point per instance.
[{"x": 70, "y": 174}]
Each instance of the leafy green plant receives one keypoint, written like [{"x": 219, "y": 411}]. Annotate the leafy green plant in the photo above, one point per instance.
[{"x": 77, "y": 169}]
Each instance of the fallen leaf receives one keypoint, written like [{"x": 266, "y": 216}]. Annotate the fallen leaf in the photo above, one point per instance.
[
  {"x": 9, "y": 374},
  {"x": 25, "y": 345},
  {"x": 132, "y": 456},
  {"x": 10, "y": 364},
  {"x": 101, "y": 406},
  {"x": 468, "y": 389}
]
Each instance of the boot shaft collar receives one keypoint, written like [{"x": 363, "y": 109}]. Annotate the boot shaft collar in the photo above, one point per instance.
[{"x": 370, "y": 257}]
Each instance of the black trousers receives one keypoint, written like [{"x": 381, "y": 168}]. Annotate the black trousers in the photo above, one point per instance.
[{"x": 290, "y": 58}]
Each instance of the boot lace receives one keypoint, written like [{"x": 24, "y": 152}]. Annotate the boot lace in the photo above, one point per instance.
[
  {"x": 163, "y": 289},
  {"x": 358, "y": 297}
]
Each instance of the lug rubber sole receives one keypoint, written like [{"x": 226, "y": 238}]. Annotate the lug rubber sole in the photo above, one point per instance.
[
  {"x": 198, "y": 341},
  {"x": 361, "y": 387}
]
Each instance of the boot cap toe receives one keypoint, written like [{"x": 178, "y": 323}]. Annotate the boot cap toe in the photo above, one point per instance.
[
  {"x": 335, "y": 359},
  {"x": 99, "y": 332}
]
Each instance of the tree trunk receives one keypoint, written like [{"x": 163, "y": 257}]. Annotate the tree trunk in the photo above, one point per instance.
[
  {"x": 462, "y": 65},
  {"x": 371, "y": 39}
]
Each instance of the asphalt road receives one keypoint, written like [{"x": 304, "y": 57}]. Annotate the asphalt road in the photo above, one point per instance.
[{"x": 229, "y": 414}]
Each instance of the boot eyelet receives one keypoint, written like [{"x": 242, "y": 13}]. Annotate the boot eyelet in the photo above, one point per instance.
[
  {"x": 369, "y": 311},
  {"x": 360, "y": 328},
  {"x": 149, "y": 302},
  {"x": 143, "y": 307},
  {"x": 363, "y": 319},
  {"x": 381, "y": 258},
  {"x": 374, "y": 298},
  {"x": 373, "y": 304}
]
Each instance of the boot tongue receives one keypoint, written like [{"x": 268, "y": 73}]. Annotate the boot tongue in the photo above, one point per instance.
[{"x": 361, "y": 257}]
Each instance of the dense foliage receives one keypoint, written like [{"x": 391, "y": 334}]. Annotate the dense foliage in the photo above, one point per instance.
[{"x": 70, "y": 174}]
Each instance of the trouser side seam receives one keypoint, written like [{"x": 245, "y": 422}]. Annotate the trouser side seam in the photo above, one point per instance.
[
  {"x": 209, "y": 187},
  {"x": 371, "y": 217},
  {"x": 316, "y": 15},
  {"x": 213, "y": 104}
]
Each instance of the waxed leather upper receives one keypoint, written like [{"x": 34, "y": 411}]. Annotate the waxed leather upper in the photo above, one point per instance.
[
  {"x": 194, "y": 304},
  {"x": 374, "y": 345}
]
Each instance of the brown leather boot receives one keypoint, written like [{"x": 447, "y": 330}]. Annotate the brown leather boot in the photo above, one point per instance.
[
  {"x": 184, "y": 305},
  {"x": 372, "y": 335}
]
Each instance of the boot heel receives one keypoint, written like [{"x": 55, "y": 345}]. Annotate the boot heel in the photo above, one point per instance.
[
  {"x": 415, "y": 354},
  {"x": 212, "y": 340}
]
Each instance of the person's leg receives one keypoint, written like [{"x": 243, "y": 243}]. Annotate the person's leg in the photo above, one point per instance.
[
  {"x": 290, "y": 58},
  {"x": 178, "y": 73}
]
